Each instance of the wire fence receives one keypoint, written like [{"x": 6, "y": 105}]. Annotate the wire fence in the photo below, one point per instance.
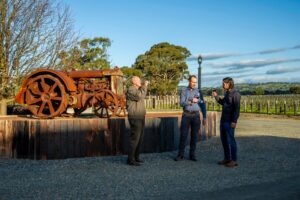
[{"x": 265, "y": 104}]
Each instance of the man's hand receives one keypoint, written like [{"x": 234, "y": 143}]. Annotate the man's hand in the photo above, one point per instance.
[
  {"x": 146, "y": 83},
  {"x": 204, "y": 121},
  {"x": 233, "y": 125},
  {"x": 214, "y": 93},
  {"x": 195, "y": 100}
]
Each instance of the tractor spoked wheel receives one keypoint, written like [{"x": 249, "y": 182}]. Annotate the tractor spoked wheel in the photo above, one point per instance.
[
  {"x": 106, "y": 104},
  {"x": 46, "y": 96}
]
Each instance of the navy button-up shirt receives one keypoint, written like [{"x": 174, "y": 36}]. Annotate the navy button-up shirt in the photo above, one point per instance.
[{"x": 187, "y": 95}]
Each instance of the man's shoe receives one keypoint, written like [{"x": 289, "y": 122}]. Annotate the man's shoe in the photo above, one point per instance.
[
  {"x": 178, "y": 158},
  {"x": 133, "y": 163},
  {"x": 193, "y": 158},
  {"x": 139, "y": 160},
  {"x": 231, "y": 163},
  {"x": 223, "y": 162}
]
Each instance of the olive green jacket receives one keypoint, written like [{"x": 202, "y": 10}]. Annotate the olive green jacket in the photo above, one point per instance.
[{"x": 135, "y": 102}]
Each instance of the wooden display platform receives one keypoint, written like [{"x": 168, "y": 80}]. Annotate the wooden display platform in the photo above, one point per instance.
[{"x": 60, "y": 138}]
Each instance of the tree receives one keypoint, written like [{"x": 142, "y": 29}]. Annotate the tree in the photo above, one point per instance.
[
  {"x": 129, "y": 72},
  {"x": 295, "y": 89},
  {"x": 259, "y": 91},
  {"x": 32, "y": 33},
  {"x": 164, "y": 66},
  {"x": 87, "y": 54}
]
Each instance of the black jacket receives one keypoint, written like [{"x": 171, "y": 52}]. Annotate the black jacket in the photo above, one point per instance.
[{"x": 230, "y": 106}]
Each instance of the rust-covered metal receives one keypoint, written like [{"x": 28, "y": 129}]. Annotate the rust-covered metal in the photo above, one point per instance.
[{"x": 49, "y": 93}]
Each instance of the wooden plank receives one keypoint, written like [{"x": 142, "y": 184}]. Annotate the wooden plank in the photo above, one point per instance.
[
  {"x": 169, "y": 127},
  {"x": 31, "y": 135},
  {"x": 9, "y": 138},
  {"x": 44, "y": 136},
  {"x": 37, "y": 151},
  {"x": 56, "y": 137},
  {"x": 95, "y": 143},
  {"x": 71, "y": 139},
  {"x": 90, "y": 137},
  {"x": 19, "y": 139},
  {"x": 117, "y": 126},
  {"x": 50, "y": 126},
  {"x": 24, "y": 133},
  {"x": 2, "y": 138},
  {"x": 77, "y": 143},
  {"x": 151, "y": 135},
  {"x": 125, "y": 137},
  {"x": 82, "y": 137},
  {"x": 119, "y": 142},
  {"x": 101, "y": 136},
  {"x": 64, "y": 139},
  {"x": 107, "y": 137}
]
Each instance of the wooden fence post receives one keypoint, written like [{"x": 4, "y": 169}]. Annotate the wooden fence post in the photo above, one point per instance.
[
  {"x": 3, "y": 107},
  {"x": 284, "y": 107}
]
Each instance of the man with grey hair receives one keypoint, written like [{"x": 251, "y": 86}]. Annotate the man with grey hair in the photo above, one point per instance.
[{"x": 136, "y": 116}]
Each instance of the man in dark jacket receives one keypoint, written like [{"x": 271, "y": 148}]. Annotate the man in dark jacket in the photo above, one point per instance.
[
  {"x": 230, "y": 114},
  {"x": 136, "y": 116}
]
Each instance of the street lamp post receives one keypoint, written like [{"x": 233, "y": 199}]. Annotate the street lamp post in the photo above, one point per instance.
[{"x": 199, "y": 72}]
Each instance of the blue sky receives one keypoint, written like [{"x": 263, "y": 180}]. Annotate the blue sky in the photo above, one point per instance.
[{"x": 250, "y": 40}]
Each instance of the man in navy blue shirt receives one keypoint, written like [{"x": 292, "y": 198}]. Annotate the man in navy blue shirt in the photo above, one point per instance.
[
  {"x": 191, "y": 101},
  {"x": 230, "y": 114}
]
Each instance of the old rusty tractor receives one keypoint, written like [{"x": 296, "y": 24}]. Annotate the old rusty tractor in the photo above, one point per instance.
[{"x": 49, "y": 93}]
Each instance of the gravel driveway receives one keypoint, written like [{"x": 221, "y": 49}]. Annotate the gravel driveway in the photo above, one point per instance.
[{"x": 269, "y": 161}]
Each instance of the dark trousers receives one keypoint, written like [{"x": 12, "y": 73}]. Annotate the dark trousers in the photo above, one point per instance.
[
  {"x": 136, "y": 137},
  {"x": 189, "y": 121},
  {"x": 228, "y": 141}
]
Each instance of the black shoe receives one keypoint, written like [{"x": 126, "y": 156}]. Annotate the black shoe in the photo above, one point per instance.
[
  {"x": 139, "y": 160},
  {"x": 193, "y": 158},
  {"x": 133, "y": 163},
  {"x": 223, "y": 162},
  {"x": 178, "y": 158}
]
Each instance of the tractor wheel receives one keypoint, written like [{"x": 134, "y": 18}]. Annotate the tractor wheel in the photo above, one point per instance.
[
  {"x": 45, "y": 96},
  {"x": 106, "y": 104}
]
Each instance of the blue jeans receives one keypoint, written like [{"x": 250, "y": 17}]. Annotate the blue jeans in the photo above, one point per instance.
[
  {"x": 189, "y": 121},
  {"x": 228, "y": 141}
]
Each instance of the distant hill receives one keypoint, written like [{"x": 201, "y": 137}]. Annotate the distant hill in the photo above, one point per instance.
[{"x": 259, "y": 88}]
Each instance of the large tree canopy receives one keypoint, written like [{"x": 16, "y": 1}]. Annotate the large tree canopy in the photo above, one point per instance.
[
  {"x": 164, "y": 66},
  {"x": 88, "y": 54},
  {"x": 32, "y": 33}
]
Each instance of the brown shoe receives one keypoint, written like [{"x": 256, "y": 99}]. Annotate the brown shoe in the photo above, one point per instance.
[
  {"x": 223, "y": 162},
  {"x": 231, "y": 163}
]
